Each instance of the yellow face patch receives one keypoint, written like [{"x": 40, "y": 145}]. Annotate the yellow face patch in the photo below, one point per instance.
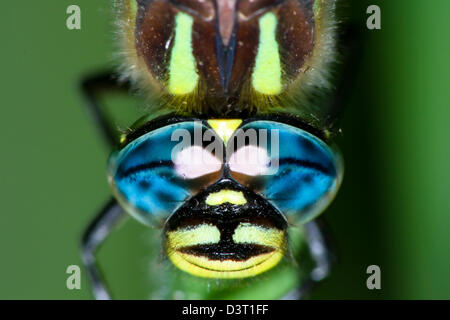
[
  {"x": 249, "y": 233},
  {"x": 208, "y": 266},
  {"x": 202, "y": 234},
  {"x": 223, "y": 196},
  {"x": 226, "y": 269}
]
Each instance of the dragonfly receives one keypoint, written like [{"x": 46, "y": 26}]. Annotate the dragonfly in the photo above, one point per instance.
[{"x": 234, "y": 160}]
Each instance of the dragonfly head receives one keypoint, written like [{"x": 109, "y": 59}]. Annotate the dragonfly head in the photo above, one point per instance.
[{"x": 224, "y": 191}]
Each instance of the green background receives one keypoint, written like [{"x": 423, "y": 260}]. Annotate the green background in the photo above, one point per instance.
[{"x": 393, "y": 209}]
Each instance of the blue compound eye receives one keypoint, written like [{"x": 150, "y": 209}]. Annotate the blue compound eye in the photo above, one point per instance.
[
  {"x": 156, "y": 173},
  {"x": 294, "y": 170}
]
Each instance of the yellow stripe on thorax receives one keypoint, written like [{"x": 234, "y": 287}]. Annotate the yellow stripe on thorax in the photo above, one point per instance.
[
  {"x": 183, "y": 77},
  {"x": 266, "y": 77}
]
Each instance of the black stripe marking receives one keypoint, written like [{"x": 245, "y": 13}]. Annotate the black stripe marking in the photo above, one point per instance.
[
  {"x": 305, "y": 163},
  {"x": 145, "y": 166},
  {"x": 227, "y": 251}
]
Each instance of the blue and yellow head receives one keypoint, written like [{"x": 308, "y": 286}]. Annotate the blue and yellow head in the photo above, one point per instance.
[{"x": 225, "y": 191}]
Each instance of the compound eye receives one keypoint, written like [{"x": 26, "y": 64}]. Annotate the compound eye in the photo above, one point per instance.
[
  {"x": 294, "y": 170},
  {"x": 156, "y": 173},
  {"x": 203, "y": 9}
]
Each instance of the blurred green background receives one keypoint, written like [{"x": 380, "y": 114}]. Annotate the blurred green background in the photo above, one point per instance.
[{"x": 393, "y": 209}]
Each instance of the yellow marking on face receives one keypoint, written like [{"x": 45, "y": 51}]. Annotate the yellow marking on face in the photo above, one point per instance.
[
  {"x": 224, "y": 269},
  {"x": 231, "y": 196},
  {"x": 250, "y": 233},
  {"x": 225, "y": 127},
  {"x": 203, "y": 266},
  {"x": 201, "y": 234}
]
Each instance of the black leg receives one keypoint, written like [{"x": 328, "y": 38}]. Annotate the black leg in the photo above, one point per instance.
[
  {"x": 322, "y": 255},
  {"x": 91, "y": 88},
  {"x": 93, "y": 237}
]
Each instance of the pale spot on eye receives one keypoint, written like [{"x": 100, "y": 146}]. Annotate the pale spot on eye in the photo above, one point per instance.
[
  {"x": 194, "y": 162},
  {"x": 250, "y": 160}
]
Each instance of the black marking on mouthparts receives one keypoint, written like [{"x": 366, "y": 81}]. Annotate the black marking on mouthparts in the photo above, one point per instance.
[
  {"x": 226, "y": 248},
  {"x": 227, "y": 251}
]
